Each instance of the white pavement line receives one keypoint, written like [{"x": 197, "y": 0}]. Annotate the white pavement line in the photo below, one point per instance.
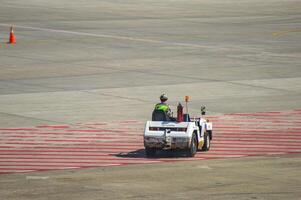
[
  {"x": 37, "y": 177},
  {"x": 107, "y": 36},
  {"x": 203, "y": 167}
]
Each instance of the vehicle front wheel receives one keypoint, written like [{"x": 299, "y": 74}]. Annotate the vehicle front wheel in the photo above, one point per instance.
[
  {"x": 206, "y": 145},
  {"x": 193, "y": 146},
  {"x": 150, "y": 152}
]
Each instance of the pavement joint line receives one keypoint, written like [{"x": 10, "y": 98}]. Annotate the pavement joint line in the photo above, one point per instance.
[
  {"x": 106, "y": 36},
  {"x": 84, "y": 91},
  {"x": 118, "y": 96},
  {"x": 256, "y": 86},
  {"x": 163, "y": 74},
  {"x": 216, "y": 80},
  {"x": 28, "y": 117},
  {"x": 64, "y": 76},
  {"x": 151, "y": 41},
  {"x": 282, "y": 33}
]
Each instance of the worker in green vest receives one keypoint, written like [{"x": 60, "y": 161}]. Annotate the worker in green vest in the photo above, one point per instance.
[{"x": 163, "y": 106}]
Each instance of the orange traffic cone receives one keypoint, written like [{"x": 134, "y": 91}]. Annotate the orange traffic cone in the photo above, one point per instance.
[{"x": 12, "y": 38}]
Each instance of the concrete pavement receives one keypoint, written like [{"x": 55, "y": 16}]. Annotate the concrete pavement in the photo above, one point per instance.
[{"x": 94, "y": 61}]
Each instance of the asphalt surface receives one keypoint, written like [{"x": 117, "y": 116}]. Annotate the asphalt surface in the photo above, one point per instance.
[
  {"x": 248, "y": 178},
  {"x": 95, "y": 61}
]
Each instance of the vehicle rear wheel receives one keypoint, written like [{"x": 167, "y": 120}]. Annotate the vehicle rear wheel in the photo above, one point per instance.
[
  {"x": 206, "y": 145},
  {"x": 150, "y": 152},
  {"x": 193, "y": 147}
]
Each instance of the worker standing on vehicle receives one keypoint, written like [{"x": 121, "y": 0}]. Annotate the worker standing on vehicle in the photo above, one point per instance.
[{"x": 163, "y": 106}]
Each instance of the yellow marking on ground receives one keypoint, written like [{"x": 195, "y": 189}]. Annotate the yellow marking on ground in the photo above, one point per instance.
[{"x": 282, "y": 33}]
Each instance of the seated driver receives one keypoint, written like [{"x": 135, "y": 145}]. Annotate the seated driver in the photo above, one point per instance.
[{"x": 163, "y": 106}]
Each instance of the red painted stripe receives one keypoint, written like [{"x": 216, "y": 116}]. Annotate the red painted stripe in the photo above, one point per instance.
[
  {"x": 51, "y": 167},
  {"x": 222, "y": 156},
  {"x": 68, "y": 157},
  {"x": 18, "y": 129},
  {"x": 129, "y": 122},
  {"x": 73, "y": 140},
  {"x": 95, "y": 131},
  {"x": 216, "y": 135},
  {"x": 95, "y": 123},
  {"x": 64, "y": 150},
  {"x": 74, "y": 148},
  {"x": 57, "y": 162},
  {"x": 123, "y": 134},
  {"x": 102, "y": 144},
  {"x": 54, "y": 126},
  {"x": 256, "y": 131},
  {"x": 255, "y": 141},
  {"x": 255, "y": 136},
  {"x": 45, "y": 154},
  {"x": 88, "y": 145},
  {"x": 242, "y": 122}
]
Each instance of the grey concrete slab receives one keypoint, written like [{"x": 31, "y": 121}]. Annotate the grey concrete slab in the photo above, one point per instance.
[{"x": 243, "y": 178}]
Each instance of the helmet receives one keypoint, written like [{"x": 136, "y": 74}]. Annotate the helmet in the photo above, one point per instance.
[{"x": 163, "y": 97}]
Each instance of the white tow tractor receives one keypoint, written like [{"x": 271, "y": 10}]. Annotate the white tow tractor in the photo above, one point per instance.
[{"x": 182, "y": 133}]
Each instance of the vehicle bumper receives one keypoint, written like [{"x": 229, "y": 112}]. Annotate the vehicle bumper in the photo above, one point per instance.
[{"x": 163, "y": 143}]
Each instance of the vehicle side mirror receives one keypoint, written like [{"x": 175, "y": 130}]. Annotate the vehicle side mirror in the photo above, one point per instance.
[{"x": 203, "y": 110}]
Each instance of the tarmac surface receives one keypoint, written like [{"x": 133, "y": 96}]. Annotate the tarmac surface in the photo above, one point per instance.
[{"x": 92, "y": 62}]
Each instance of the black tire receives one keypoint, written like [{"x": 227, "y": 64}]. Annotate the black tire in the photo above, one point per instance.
[
  {"x": 193, "y": 147},
  {"x": 206, "y": 145},
  {"x": 150, "y": 152}
]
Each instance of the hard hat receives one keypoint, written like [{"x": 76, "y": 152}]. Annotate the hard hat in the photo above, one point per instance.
[{"x": 163, "y": 97}]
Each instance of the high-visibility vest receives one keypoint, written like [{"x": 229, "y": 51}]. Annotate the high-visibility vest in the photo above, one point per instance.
[{"x": 162, "y": 106}]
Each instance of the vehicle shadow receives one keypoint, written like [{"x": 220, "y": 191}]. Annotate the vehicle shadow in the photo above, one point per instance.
[{"x": 140, "y": 153}]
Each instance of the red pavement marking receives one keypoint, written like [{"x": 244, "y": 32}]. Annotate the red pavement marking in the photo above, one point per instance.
[
  {"x": 106, "y": 144},
  {"x": 54, "y": 126}
]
